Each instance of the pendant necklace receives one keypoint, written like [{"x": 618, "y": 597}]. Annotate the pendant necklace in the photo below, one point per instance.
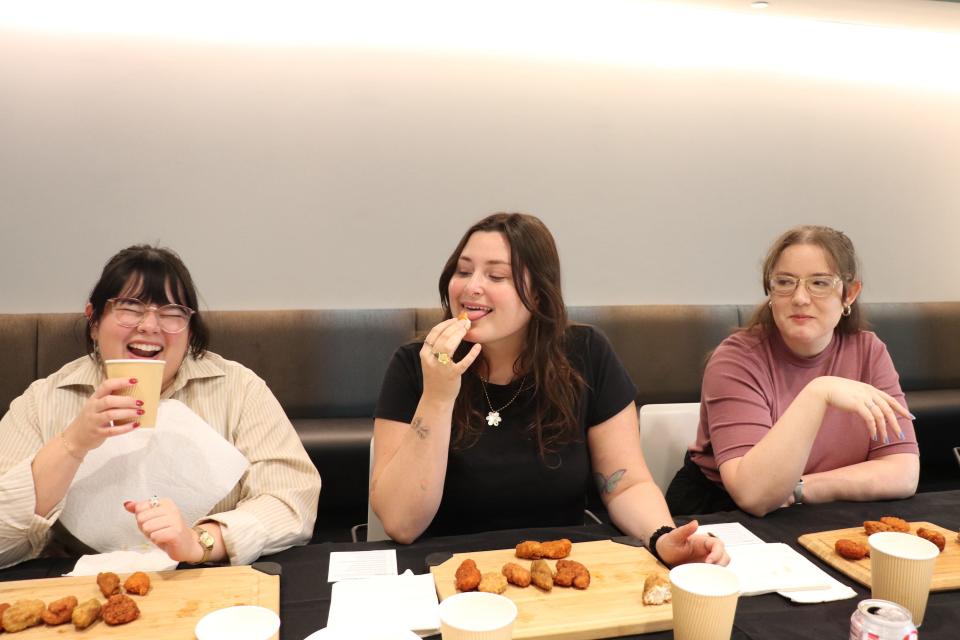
[{"x": 493, "y": 418}]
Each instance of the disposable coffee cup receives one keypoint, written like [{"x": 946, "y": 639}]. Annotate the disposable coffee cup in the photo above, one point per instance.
[
  {"x": 901, "y": 570},
  {"x": 476, "y": 615},
  {"x": 704, "y": 601},
  {"x": 149, "y": 376}
]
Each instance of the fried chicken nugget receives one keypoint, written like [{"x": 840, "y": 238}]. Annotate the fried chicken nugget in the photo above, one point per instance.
[
  {"x": 467, "y": 576},
  {"x": 3, "y": 607},
  {"x": 556, "y": 549},
  {"x": 86, "y": 614},
  {"x": 109, "y": 583},
  {"x": 22, "y": 615},
  {"x": 851, "y": 550},
  {"x": 59, "y": 611},
  {"x": 493, "y": 582},
  {"x": 896, "y": 524},
  {"x": 656, "y": 589},
  {"x": 933, "y": 536},
  {"x": 529, "y": 550},
  {"x": 138, "y": 583},
  {"x": 463, "y": 315},
  {"x": 120, "y": 609},
  {"x": 875, "y": 526},
  {"x": 516, "y": 574},
  {"x": 571, "y": 573},
  {"x": 540, "y": 575}
]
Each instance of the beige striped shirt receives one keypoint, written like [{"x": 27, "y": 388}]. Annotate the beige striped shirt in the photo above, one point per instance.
[{"x": 271, "y": 508}]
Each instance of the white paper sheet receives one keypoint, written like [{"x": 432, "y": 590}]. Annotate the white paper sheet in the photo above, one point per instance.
[
  {"x": 731, "y": 533},
  {"x": 764, "y": 568},
  {"x": 351, "y": 565},
  {"x": 123, "y": 562},
  {"x": 407, "y": 601},
  {"x": 183, "y": 459}
]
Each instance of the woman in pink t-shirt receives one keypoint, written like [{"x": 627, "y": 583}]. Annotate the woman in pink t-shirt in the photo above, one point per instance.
[{"x": 802, "y": 405}]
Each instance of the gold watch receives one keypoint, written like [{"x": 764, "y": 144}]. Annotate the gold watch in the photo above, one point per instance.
[{"x": 207, "y": 541}]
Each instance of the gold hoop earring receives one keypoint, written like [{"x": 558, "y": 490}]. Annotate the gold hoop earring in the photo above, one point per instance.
[
  {"x": 770, "y": 304},
  {"x": 847, "y": 309}
]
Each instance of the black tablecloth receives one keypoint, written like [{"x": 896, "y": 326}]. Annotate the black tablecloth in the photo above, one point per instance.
[{"x": 305, "y": 593}]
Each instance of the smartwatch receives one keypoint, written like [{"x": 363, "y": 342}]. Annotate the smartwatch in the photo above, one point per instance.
[{"x": 798, "y": 492}]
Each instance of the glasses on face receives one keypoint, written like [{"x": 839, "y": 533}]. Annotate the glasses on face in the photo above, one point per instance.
[
  {"x": 130, "y": 312},
  {"x": 817, "y": 286}
]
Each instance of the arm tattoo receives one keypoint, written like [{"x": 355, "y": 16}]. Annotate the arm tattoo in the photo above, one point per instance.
[
  {"x": 609, "y": 484},
  {"x": 419, "y": 428}
]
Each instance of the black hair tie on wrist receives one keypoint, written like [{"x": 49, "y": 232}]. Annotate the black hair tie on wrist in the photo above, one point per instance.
[{"x": 652, "y": 546}]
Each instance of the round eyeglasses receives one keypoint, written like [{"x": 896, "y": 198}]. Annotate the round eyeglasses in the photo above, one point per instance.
[
  {"x": 817, "y": 286},
  {"x": 130, "y": 312}
]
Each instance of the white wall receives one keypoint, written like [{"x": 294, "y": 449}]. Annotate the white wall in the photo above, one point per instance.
[{"x": 309, "y": 177}]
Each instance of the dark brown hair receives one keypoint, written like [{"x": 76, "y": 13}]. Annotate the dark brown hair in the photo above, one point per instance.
[
  {"x": 148, "y": 270},
  {"x": 840, "y": 253},
  {"x": 557, "y": 386}
]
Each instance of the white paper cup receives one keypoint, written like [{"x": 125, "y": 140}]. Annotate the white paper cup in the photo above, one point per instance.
[
  {"x": 704, "y": 601},
  {"x": 476, "y": 615},
  {"x": 149, "y": 375},
  {"x": 901, "y": 569},
  {"x": 245, "y": 622}
]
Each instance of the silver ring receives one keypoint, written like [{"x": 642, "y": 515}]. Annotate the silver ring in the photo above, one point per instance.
[{"x": 154, "y": 501}]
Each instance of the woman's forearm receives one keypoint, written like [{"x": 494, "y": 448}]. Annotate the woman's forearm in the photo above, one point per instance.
[
  {"x": 54, "y": 468},
  {"x": 891, "y": 477},
  {"x": 407, "y": 485},
  {"x": 639, "y": 510}
]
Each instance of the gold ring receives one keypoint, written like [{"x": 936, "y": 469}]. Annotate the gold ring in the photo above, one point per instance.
[{"x": 443, "y": 358}]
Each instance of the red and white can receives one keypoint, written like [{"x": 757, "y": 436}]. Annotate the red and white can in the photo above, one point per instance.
[{"x": 881, "y": 620}]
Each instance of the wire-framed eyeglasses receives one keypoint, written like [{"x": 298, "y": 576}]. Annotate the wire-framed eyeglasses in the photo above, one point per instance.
[
  {"x": 130, "y": 312},
  {"x": 817, "y": 286}
]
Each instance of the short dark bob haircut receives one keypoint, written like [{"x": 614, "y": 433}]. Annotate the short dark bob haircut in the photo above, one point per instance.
[{"x": 145, "y": 272}]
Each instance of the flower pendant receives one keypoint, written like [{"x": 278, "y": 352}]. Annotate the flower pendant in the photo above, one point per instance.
[{"x": 493, "y": 418}]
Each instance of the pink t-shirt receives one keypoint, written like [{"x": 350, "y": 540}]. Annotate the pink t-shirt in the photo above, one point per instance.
[{"x": 750, "y": 381}]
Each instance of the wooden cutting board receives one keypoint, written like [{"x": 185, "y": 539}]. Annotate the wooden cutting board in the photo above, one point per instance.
[
  {"x": 612, "y": 605},
  {"x": 176, "y": 601},
  {"x": 946, "y": 573}
]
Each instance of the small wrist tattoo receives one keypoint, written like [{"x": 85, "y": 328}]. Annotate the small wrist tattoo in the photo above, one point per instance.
[{"x": 419, "y": 428}]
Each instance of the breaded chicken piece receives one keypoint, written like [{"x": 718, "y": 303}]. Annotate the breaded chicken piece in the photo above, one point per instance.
[
  {"x": 467, "y": 576},
  {"x": 138, "y": 583},
  {"x": 656, "y": 589},
  {"x": 516, "y": 574},
  {"x": 571, "y": 573},
  {"x": 493, "y": 582},
  {"x": 109, "y": 583},
  {"x": 540, "y": 575},
  {"x": 529, "y": 550},
  {"x": 933, "y": 536},
  {"x": 875, "y": 526},
  {"x": 3, "y": 607},
  {"x": 896, "y": 524},
  {"x": 86, "y": 614},
  {"x": 556, "y": 549},
  {"x": 120, "y": 609},
  {"x": 59, "y": 611},
  {"x": 22, "y": 615},
  {"x": 851, "y": 550}
]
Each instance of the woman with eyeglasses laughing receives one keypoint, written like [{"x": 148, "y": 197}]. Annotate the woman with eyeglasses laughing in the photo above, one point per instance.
[
  {"x": 804, "y": 404},
  {"x": 144, "y": 306}
]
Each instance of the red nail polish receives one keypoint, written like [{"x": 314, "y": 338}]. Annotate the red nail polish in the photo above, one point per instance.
[
  {"x": 139, "y": 403},
  {"x": 136, "y": 424},
  {"x": 127, "y": 503},
  {"x": 140, "y": 412},
  {"x": 133, "y": 381}
]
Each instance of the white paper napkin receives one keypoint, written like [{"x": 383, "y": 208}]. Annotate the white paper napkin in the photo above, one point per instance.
[
  {"x": 763, "y": 568},
  {"x": 183, "y": 459},
  {"x": 408, "y": 601},
  {"x": 123, "y": 562}
]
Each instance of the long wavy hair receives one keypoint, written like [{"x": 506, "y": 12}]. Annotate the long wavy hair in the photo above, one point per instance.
[
  {"x": 840, "y": 253},
  {"x": 557, "y": 385}
]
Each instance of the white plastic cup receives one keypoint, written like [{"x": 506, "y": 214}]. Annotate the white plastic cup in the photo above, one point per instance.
[
  {"x": 901, "y": 570},
  {"x": 704, "y": 601},
  {"x": 476, "y": 615}
]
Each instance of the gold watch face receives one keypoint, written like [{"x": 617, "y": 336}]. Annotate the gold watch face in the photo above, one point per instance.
[{"x": 206, "y": 539}]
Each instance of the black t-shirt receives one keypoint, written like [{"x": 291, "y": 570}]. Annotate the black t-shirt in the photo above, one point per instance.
[{"x": 501, "y": 482}]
